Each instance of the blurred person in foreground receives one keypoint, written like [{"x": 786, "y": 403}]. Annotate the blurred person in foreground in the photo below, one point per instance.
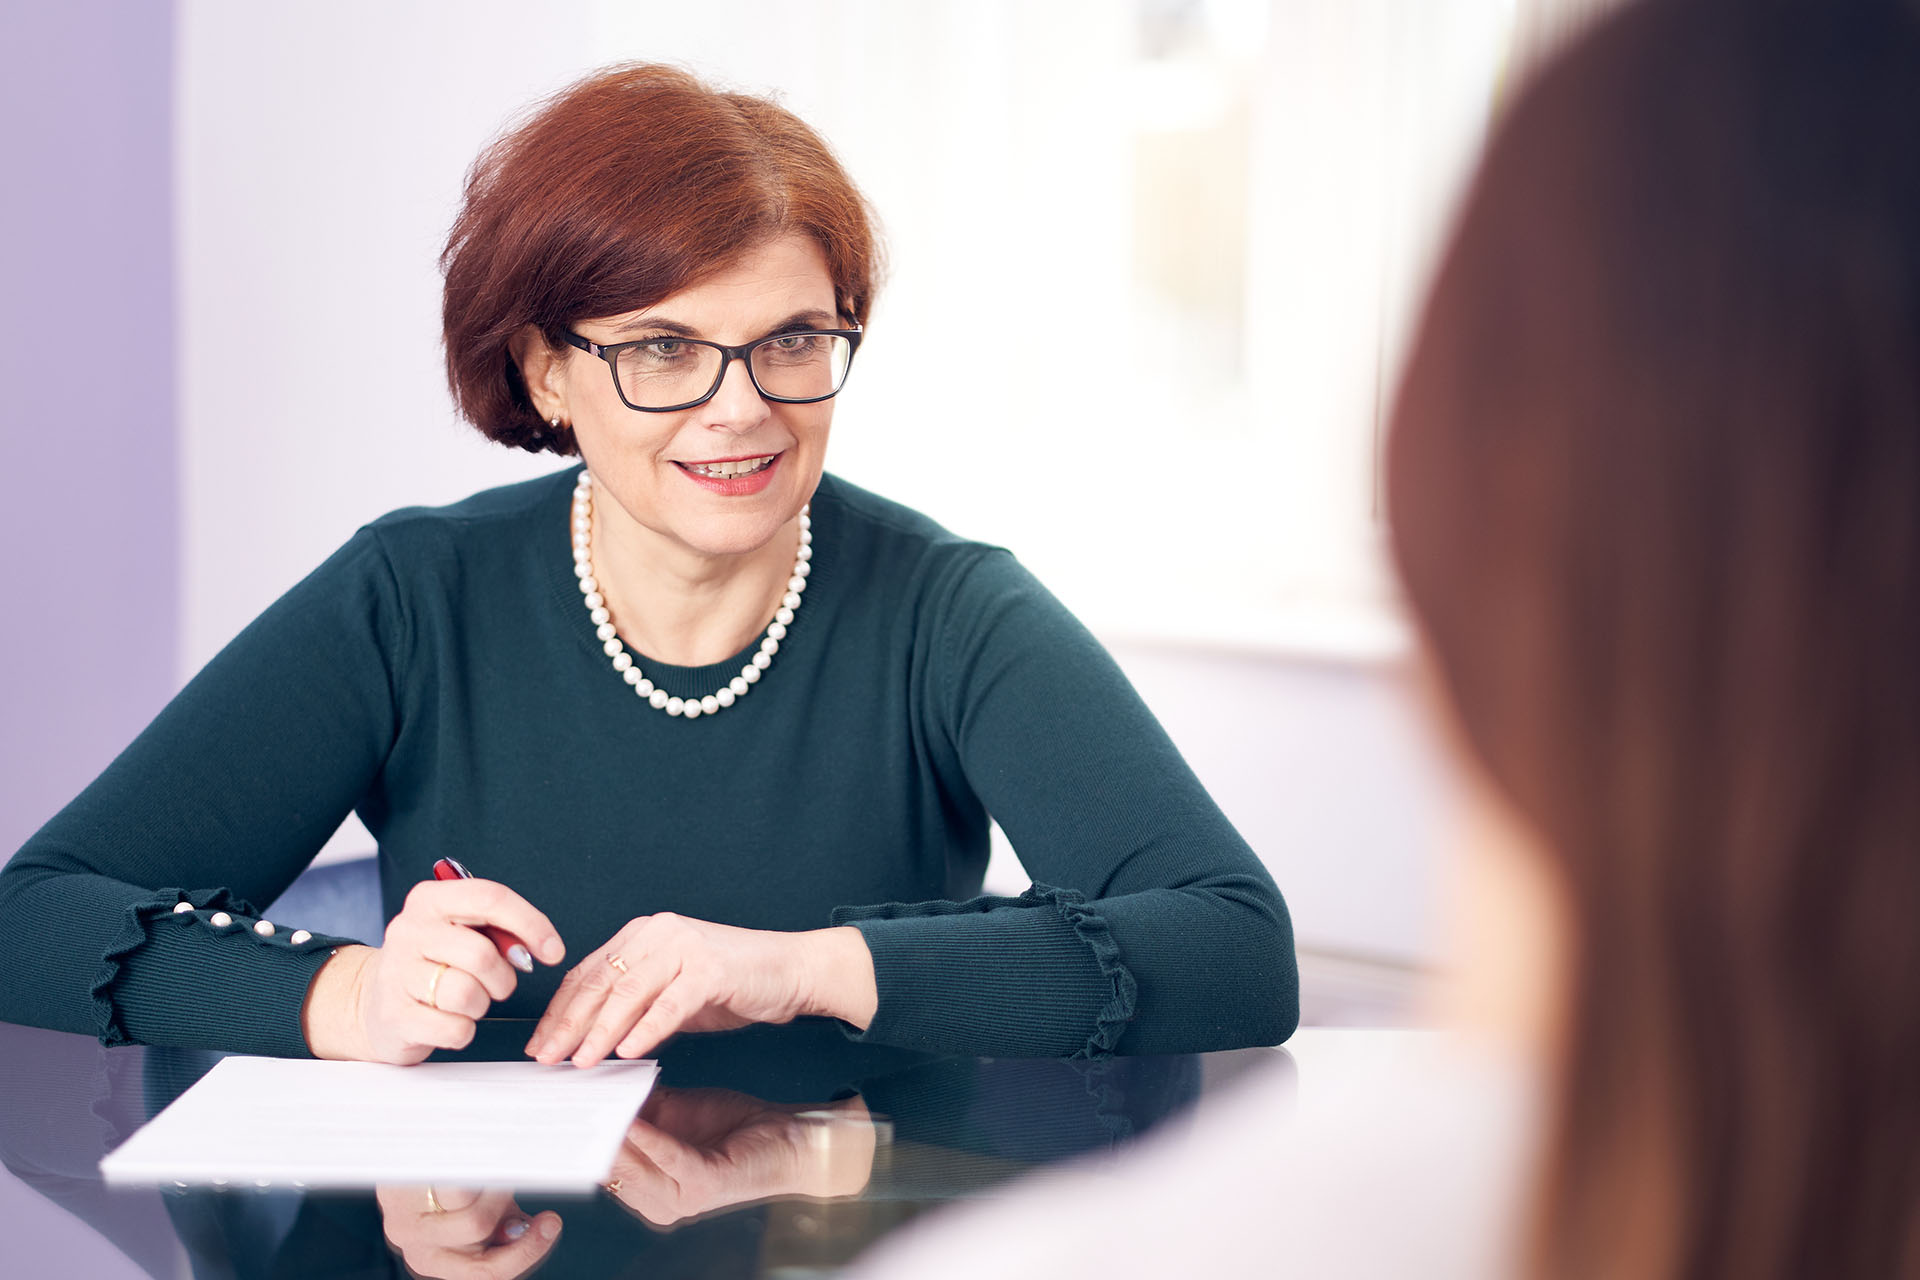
[
  {"x": 721, "y": 729},
  {"x": 1654, "y": 485}
]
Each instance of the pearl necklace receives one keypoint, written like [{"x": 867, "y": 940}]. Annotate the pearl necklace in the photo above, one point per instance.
[{"x": 734, "y": 689}]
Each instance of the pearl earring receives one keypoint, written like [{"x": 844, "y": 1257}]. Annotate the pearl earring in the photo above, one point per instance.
[{"x": 554, "y": 422}]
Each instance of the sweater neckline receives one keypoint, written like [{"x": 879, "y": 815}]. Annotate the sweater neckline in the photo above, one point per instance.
[{"x": 678, "y": 681}]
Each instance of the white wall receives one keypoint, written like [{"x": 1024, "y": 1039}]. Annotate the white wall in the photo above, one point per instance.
[{"x": 320, "y": 161}]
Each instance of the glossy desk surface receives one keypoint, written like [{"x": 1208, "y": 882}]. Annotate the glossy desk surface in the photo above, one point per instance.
[{"x": 805, "y": 1148}]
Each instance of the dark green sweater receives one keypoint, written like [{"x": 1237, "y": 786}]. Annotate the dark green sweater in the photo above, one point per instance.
[{"x": 439, "y": 675}]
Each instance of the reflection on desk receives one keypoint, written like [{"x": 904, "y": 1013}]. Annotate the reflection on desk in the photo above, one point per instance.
[{"x": 772, "y": 1151}]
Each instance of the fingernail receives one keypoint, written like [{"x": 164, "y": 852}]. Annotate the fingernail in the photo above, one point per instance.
[
  {"x": 533, "y": 1048},
  {"x": 549, "y": 1228},
  {"x": 553, "y": 951},
  {"x": 520, "y": 958},
  {"x": 515, "y": 1229}
]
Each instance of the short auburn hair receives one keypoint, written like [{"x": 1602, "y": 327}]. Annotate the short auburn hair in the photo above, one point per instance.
[{"x": 631, "y": 185}]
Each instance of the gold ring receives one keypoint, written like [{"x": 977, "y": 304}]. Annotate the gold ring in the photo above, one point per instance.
[
  {"x": 617, "y": 963},
  {"x": 433, "y": 1203},
  {"x": 614, "y": 1186},
  {"x": 433, "y": 999}
]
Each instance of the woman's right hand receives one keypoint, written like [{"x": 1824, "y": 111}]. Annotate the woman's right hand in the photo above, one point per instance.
[{"x": 432, "y": 978}]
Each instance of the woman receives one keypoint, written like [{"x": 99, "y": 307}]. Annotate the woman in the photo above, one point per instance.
[
  {"x": 1654, "y": 479},
  {"x": 724, "y": 729}
]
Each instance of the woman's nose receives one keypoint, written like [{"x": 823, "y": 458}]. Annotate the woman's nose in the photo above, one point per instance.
[{"x": 737, "y": 406}]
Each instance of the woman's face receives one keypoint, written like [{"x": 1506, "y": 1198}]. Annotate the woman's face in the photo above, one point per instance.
[{"x": 647, "y": 462}]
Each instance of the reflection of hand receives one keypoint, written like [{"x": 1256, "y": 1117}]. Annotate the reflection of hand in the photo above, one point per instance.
[
  {"x": 696, "y": 1150},
  {"x": 428, "y": 983},
  {"x": 453, "y": 1235},
  {"x": 665, "y": 973}
]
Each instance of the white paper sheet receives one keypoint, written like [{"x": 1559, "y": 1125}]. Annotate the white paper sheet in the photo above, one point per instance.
[{"x": 276, "y": 1121}]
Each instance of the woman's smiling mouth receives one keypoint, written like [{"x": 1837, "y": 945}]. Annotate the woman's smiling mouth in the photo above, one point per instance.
[{"x": 733, "y": 477}]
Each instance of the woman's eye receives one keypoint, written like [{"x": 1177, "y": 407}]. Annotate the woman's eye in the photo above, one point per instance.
[{"x": 665, "y": 349}]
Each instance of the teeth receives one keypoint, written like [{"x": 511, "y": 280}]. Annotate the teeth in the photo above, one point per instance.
[{"x": 727, "y": 470}]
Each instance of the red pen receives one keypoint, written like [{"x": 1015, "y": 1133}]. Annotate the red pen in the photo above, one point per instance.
[{"x": 511, "y": 947}]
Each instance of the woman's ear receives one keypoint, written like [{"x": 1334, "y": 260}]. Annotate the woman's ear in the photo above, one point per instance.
[{"x": 543, "y": 369}]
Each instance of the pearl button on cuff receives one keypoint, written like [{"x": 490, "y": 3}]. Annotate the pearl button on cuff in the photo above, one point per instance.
[
  {"x": 220, "y": 920},
  {"x": 263, "y": 927},
  {"x": 181, "y": 908},
  {"x": 300, "y": 936}
]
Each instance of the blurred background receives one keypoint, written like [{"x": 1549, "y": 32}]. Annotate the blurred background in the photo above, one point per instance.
[{"x": 1180, "y": 242}]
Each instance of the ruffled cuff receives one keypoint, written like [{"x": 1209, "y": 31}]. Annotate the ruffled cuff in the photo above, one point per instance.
[
  {"x": 212, "y": 925},
  {"x": 1091, "y": 928},
  {"x": 997, "y": 976}
]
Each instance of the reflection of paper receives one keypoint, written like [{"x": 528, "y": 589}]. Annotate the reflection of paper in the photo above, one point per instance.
[{"x": 358, "y": 1124}]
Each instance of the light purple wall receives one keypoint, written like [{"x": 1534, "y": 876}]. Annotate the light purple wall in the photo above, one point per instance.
[{"x": 88, "y": 512}]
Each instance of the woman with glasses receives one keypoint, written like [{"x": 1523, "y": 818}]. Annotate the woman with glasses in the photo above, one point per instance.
[{"x": 719, "y": 734}]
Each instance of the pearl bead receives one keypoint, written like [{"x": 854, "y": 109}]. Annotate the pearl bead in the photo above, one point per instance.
[
  {"x": 219, "y": 919},
  {"x": 300, "y": 938},
  {"x": 263, "y": 927},
  {"x": 623, "y": 663},
  {"x": 181, "y": 908}
]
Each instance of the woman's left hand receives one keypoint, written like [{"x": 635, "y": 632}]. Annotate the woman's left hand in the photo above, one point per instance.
[{"x": 665, "y": 973}]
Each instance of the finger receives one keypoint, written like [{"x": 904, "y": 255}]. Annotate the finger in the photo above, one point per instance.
[
  {"x": 471, "y": 1223},
  {"x": 425, "y": 1027},
  {"x": 681, "y": 1000},
  {"x": 572, "y": 1010},
  {"x": 441, "y": 986},
  {"x": 632, "y": 994},
  {"x": 517, "y": 1256},
  {"x": 668, "y": 1154},
  {"x": 474, "y": 902},
  {"x": 472, "y": 952}
]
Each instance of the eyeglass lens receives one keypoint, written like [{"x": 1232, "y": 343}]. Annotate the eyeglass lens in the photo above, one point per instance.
[{"x": 792, "y": 366}]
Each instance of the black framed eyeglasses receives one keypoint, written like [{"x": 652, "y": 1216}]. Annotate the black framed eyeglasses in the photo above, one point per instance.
[{"x": 659, "y": 375}]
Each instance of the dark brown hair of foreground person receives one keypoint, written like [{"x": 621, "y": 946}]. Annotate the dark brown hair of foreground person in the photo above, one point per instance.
[
  {"x": 624, "y": 189},
  {"x": 1654, "y": 484}
]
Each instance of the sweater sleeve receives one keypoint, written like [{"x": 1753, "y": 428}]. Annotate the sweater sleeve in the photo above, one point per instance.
[
  {"x": 1151, "y": 927},
  {"x": 129, "y": 915}
]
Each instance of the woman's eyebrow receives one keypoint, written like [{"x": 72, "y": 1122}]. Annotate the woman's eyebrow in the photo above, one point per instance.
[{"x": 814, "y": 318}]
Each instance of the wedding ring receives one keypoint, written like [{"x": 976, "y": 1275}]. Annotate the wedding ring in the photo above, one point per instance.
[
  {"x": 617, "y": 963},
  {"x": 433, "y": 999},
  {"x": 433, "y": 1202}
]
